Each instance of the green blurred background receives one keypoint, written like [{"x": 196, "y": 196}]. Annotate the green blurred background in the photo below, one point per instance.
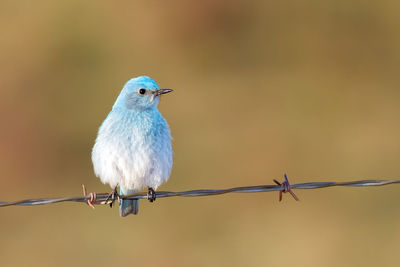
[{"x": 310, "y": 88}]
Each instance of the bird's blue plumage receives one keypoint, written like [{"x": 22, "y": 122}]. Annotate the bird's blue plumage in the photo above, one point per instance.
[{"x": 133, "y": 146}]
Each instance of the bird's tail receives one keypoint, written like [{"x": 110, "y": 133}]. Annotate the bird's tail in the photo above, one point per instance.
[{"x": 128, "y": 206}]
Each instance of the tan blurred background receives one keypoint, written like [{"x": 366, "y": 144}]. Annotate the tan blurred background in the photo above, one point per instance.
[{"x": 261, "y": 88}]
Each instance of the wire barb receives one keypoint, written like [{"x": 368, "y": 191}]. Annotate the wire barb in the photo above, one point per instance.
[
  {"x": 112, "y": 197},
  {"x": 286, "y": 188},
  {"x": 92, "y": 197},
  {"x": 101, "y": 198}
]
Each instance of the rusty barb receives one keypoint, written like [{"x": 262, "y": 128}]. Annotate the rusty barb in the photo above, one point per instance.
[
  {"x": 286, "y": 188},
  {"x": 93, "y": 199}
]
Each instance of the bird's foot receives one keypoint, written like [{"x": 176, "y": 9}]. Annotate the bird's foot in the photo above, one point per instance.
[
  {"x": 286, "y": 188},
  {"x": 112, "y": 197},
  {"x": 151, "y": 195},
  {"x": 91, "y": 201}
]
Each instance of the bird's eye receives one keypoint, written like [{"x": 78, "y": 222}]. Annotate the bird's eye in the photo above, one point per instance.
[{"x": 142, "y": 91}]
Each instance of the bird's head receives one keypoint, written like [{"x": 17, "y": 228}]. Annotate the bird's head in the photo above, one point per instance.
[{"x": 140, "y": 93}]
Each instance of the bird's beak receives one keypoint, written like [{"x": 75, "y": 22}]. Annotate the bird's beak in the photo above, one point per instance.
[{"x": 162, "y": 91}]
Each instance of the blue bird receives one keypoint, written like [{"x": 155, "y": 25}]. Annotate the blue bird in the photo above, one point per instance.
[{"x": 133, "y": 146}]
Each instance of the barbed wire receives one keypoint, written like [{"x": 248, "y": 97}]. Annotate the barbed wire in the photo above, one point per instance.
[{"x": 104, "y": 198}]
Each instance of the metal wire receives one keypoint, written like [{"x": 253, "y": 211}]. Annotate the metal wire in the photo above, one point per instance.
[{"x": 103, "y": 198}]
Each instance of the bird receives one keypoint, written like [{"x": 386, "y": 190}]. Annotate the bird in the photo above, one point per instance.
[{"x": 133, "y": 146}]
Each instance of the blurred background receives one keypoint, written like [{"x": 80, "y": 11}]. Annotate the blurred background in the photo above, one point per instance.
[{"x": 261, "y": 88}]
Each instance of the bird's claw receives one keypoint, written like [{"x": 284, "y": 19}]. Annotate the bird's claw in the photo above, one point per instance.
[
  {"x": 286, "y": 188},
  {"x": 112, "y": 197},
  {"x": 151, "y": 195},
  {"x": 92, "y": 197}
]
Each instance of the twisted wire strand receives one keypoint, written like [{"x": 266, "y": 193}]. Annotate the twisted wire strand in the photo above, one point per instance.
[{"x": 103, "y": 198}]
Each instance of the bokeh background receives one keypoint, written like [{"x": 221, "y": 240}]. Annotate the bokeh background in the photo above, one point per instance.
[{"x": 310, "y": 88}]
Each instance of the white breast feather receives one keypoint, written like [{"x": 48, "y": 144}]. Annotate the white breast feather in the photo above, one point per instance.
[{"x": 126, "y": 157}]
